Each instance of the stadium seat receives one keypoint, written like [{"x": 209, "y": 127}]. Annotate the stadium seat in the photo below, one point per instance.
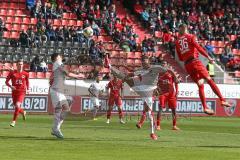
[
  {"x": 233, "y": 37},
  {"x": 32, "y": 21},
  {"x": 237, "y": 74},
  {"x": 220, "y": 44},
  {"x": 138, "y": 62},
  {"x": 14, "y": 35},
  {"x": 64, "y": 22},
  {"x": 8, "y": 26},
  {"x": 3, "y": 12},
  {"x": 19, "y": 13},
  {"x": 72, "y": 22},
  {"x": 16, "y": 27},
  {"x": 79, "y": 23},
  {"x": 6, "y": 34},
  {"x": 11, "y": 12},
  {"x": 66, "y": 15},
  {"x": 235, "y": 51},
  {"x": 4, "y": 5},
  {"x": 26, "y": 20},
  {"x": 130, "y": 62},
  {"x": 158, "y": 34},
  {"x": 115, "y": 54},
  {"x": 73, "y": 16},
  {"x": 56, "y": 22},
  {"x": 131, "y": 55},
  {"x": 48, "y": 74},
  {"x": 9, "y": 20},
  {"x": 40, "y": 75},
  {"x": 24, "y": 27},
  {"x": 32, "y": 74}
]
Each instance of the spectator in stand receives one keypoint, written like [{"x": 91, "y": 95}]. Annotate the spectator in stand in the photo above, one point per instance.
[
  {"x": 34, "y": 66},
  {"x": 133, "y": 43},
  {"x": 43, "y": 66},
  {"x": 145, "y": 45},
  {"x": 236, "y": 43},
  {"x": 145, "y": 18},
  {"x": 124, "y": 44},
  {"x": 24, "y": 39},
  {"x": 210, "y": 49},
  {"x": 126, "y": 21},
  {"x": 96, "y": 29},
  {"x": 50, "y": 33}
]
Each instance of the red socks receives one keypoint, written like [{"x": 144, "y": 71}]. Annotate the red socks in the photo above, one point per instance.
[
  {"x": 215, "y": 89},
  {"x": 16, "y": 112}
]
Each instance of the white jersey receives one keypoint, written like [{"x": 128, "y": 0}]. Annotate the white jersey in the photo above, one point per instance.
[
  {"x": 145, "y": 80},
  {"x": 58, "y": 75},
  {"x": 96, "y": 88}
]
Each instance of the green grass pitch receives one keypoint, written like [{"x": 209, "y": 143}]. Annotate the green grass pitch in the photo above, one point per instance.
[{"x": 200, "y": 138}]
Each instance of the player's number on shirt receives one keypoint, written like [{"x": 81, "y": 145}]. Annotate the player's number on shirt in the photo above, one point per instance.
[
  {"x": 184, "y": 44},
  {"x": 18, "y": 81}
]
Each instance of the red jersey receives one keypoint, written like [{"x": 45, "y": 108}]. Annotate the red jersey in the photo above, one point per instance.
[
  {"x": 115, "y": 87},
  {"x": 19, "y": 80},
  {"x": 166, "y": 82},
  {"x": 187, "y": 47}
]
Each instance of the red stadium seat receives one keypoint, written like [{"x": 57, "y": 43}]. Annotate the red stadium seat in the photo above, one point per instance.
[
  {"x": 22, "y": 6},
  {"x": 3, "y": 18},
  {"x": 11, "y": 12},
  {"x": 4, "y": 5},
  {"x": 48, "y": 74},
  {"x": 130, "y": 62},
  {"x": 13, "y": 5},
  {"x": 74, "y": 68},
  {"x": 114, "y": 54},
  {"x": 138, "y": 55},
  {"x": 16, "y": 27},
  {"x": 138, "y": 62},
  {"x": 56, "y": 22},
  {"x": 220, "y": 44},
  {"x": 40, "y": 75},
  {"x": 237, "y": 74},
  {"x": 233, "y": 37},
  {"x": 32, "y": 74},
  {"x": 66, "y": 15},
  {"x": 73, "y": 16},
  {"x": 8, "y": 26},
  {"x": 26, "y": 20},
  {"x": 6, "y": 34},
  {"x": 24, "y": 27},
  {"x": 33, "y": 21},
  {"x": 72, "y": 23},
  {"x": 64, "y": 22},
  {"x": 18, "y": 20},
  {"x": 19, "y": 13},
  {"x": 235, "y": 51},
  {"x": 79, "y": 23},
  {"x": 131, "y": 55},
  {"x": 158, "y": 34},
  {"x": 3, "y": 12},
  {"x": 9, "y": 20},
  {"x": 14, "y": 35}
]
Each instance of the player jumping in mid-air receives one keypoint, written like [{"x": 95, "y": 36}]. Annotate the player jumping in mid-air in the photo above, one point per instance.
[
  {"x": 115, "y": 93},
  {"x": 143, "y": 82},
  {"x": 19, "y": 85},
  {"x": 96, "y": 89},
  {"x": 187, "y": 49},
  {"x": 60, "y": 101},
  {"x": 167, "y": 88}
]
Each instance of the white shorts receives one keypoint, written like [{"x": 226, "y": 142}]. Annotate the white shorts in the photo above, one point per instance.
[
  {"x": 59, "y": 99},
  {"x": 148, "y": 101},
  {"x": 95, "y": 101}
]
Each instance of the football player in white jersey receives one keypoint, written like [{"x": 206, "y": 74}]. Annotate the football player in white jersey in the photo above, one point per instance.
[
  {"x": 143, "y": 82},
  {"x": 60, "y": 101},
  {"x": 96, "y": 90}
]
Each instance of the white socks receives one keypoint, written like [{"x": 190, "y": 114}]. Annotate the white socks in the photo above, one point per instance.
[{"x": 149, "y": 113}]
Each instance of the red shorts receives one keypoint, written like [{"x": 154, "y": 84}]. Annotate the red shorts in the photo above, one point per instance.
[
  {"x": 114, "y": 99},
  {"x": 168, "y": 98},
  {"x": 196, "y": 70},
  {"x": 18, "y": 96}
]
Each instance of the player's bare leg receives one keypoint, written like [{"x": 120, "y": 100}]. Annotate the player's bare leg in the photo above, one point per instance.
[
  {"x": 109, "y": 112},
  {"x": 143, "y": 118},
  {"x": 216, "y": 90},
  {"x": 174, "y": 119},
  {"x": 159, "y": 117},
  {"x": 18, "y": 110},
  {"x": 120, "y": 115},
  {"x": 96, "y": 108},
  {"x": 203, "y": 99}
]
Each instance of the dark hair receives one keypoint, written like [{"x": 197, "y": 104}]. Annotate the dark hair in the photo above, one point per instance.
[
  {"x": 54, "y": 56},
  {"x": 183, "y": 25}
]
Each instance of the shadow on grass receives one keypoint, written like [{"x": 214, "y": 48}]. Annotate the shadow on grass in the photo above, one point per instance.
[
  {"x": 212, "y": 146},
  {"x": 73, "y": 139}
]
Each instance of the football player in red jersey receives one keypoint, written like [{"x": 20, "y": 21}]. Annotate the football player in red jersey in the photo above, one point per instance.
[
  {"x": 115, "y": 93},
  {"x": 19, "y": 85},
  {"x": 187, "y": 49},
  {"x": 167, "y": 87}
]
